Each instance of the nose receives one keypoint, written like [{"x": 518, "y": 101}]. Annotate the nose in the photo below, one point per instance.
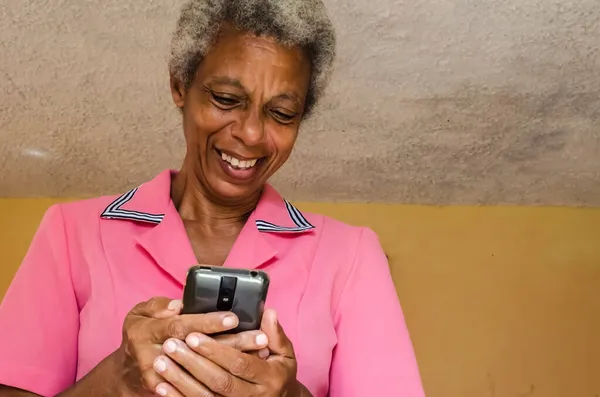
[{"x": 251, "y": 130}]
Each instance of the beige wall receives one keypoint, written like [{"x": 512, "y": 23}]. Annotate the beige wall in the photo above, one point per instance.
[
  {"x": 500, "y": 301},
  {"x": 432, "y": 102}
]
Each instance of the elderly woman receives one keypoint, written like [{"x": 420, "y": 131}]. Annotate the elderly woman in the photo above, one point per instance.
[{"x": 94, "y": 309}]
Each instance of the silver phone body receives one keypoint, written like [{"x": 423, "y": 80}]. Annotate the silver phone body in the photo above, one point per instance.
[{"x": 215, "y": 288}]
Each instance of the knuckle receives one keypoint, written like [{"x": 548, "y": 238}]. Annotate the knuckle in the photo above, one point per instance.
[
  {"x": 127, "y": 325},
  {"x": 176, "y": 328},
  {"x": 241, "y": 367},
  {"x": 153, "y": 304},
  {"x": 211, "y": 323},
  {"x": 223, "y": 384},
  {"x": 239, "y": 342},
  {"x": 130, "y": 351},
  {"x": 232, "y": 341},
  {"x": 133, "y": 332},
  {"x": 130, "y": 337},
  {"x": 244, "y": 341},
  {"x": 147, "y": 380},
  {"x": 137, "y": 308},
  {"x": 207, "y": 393}
]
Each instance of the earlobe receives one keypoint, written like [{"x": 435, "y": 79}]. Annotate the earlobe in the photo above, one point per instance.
[{"x": 177, "y": 92}]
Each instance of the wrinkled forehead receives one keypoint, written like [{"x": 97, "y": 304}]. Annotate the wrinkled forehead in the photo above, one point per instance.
[{"x": 256, "y": 62}]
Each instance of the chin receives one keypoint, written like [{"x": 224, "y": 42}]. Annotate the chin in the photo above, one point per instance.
[{"x": 235, "y": 192}]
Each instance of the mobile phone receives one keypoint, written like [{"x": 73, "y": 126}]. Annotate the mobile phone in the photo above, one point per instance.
[{"x": 216, "y": 288}]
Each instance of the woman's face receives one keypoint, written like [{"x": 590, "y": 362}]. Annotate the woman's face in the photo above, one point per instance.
[{"x": 242, "y": 113}]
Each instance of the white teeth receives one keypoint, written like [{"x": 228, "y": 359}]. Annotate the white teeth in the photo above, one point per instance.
[{"x": 237, "y": 163}]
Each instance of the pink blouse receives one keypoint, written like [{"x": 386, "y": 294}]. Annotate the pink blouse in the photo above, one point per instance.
[{"x": 91, "y": 261}]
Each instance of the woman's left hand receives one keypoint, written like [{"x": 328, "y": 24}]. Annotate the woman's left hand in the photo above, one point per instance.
[{"x": 214, "y": 369}]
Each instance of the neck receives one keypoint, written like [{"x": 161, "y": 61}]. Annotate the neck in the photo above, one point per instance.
[{"x": 198, "y": 208}]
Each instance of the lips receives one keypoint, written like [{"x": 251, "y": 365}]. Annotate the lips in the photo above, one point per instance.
[{"x": 238, "y": 169}]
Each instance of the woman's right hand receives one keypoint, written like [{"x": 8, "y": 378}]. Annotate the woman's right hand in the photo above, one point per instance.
[{"x": 149, "y": 324}]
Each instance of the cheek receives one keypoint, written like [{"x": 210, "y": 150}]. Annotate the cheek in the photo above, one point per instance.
[
  {"x": 283, "y": 140},
  {"x": 203, "y": 122}
]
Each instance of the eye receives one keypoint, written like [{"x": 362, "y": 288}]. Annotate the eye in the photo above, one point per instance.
[
  {"x": 224, "y": 101},
  {"x": 283, "y": 116}
]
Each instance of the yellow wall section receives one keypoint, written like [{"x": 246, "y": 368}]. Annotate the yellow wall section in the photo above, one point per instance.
[{"x": 500, "y": 301}]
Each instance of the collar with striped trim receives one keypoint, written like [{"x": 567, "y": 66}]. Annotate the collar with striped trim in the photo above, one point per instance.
[{"x": 147, "y": 203}]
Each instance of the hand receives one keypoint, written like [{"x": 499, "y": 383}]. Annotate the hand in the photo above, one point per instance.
[
  {"x": 203, "y": 367},
  {"x": 149, "y": 324}
]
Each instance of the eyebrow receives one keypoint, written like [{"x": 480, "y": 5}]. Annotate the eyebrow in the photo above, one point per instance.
[
  {"x": 291, "y": 97},
  {"x": 228, "y": 81}
]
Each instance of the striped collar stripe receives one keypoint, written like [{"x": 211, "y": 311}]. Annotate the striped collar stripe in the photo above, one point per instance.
[
  {"x": 114, "y": 211},
  {"x": 297, "y": 216},
  {"x": 263, "y": 226},
  {"x": 299, "y": 220}
]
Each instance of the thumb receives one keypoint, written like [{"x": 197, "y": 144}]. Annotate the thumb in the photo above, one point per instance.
[{"x": 279, "y": 343}]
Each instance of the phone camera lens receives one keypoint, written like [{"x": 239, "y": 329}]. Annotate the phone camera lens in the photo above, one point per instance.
[
  {"x": 225, "y": 300},
  {"x": 254, "y": 273},
  {"x": 226, "y": 296}
]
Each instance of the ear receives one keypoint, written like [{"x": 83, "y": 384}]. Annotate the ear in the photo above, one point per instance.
[{"x": 178, "y": 92}]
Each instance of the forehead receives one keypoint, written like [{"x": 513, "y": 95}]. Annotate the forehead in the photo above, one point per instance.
[{"x": 237, "y": 54}]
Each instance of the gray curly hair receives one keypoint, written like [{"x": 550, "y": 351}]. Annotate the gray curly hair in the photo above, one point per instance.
[{"x": 294, "y": 23}]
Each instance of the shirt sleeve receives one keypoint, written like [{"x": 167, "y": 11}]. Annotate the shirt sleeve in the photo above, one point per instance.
[
  {"x": 39, "y": 316},
  {"x": 374, "y": 355}
]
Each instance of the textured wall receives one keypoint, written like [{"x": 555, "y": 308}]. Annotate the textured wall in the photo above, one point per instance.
[{"x": 447, "y": 101}]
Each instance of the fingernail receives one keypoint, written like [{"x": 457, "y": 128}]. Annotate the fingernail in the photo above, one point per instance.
[
  {"x": 229, "y": 321},
  {"x": 261, "y": 340},
  {"x": 263, "y": 353},
  {"x": 192, "y": 341},
  {"x": 160, "y": 365},
  {"x": 274, "y": 318},
  {"x": 170, "y": 346},
  {"x": 174, "y": 304},
  {"x": 161, "y": 390}
]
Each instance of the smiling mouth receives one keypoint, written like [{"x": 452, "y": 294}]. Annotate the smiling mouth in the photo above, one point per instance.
[
  {"x": 239, "y": 170},
  {"x": 239, "y": 164}
]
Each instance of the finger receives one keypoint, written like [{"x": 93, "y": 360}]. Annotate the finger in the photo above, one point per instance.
[
  {"x": 150, "y": 378},
  {"x": 263, "y": 353},
  {"x": 210, "y": 373},
  {"x": 179, "y": 379},
  {"x": 165, "y": 389},
  {"x": 143, "y": 358},
  {"x": 158, "y": 307},
  {"x": 244, "y": 366},
  {"x": 279, "y": 343},
  {"x": 181, "y": 326},
  {"x": 244, "y": 341}
]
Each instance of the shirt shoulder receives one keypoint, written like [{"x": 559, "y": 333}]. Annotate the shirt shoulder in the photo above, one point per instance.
[
  {"x": 343, "y": 250},
  {"x": 90, "y": 205},
  {"x": 83, "y": 211},
  {"x": 332, "y": 230},
  {"x": 340, "y": 246}
]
